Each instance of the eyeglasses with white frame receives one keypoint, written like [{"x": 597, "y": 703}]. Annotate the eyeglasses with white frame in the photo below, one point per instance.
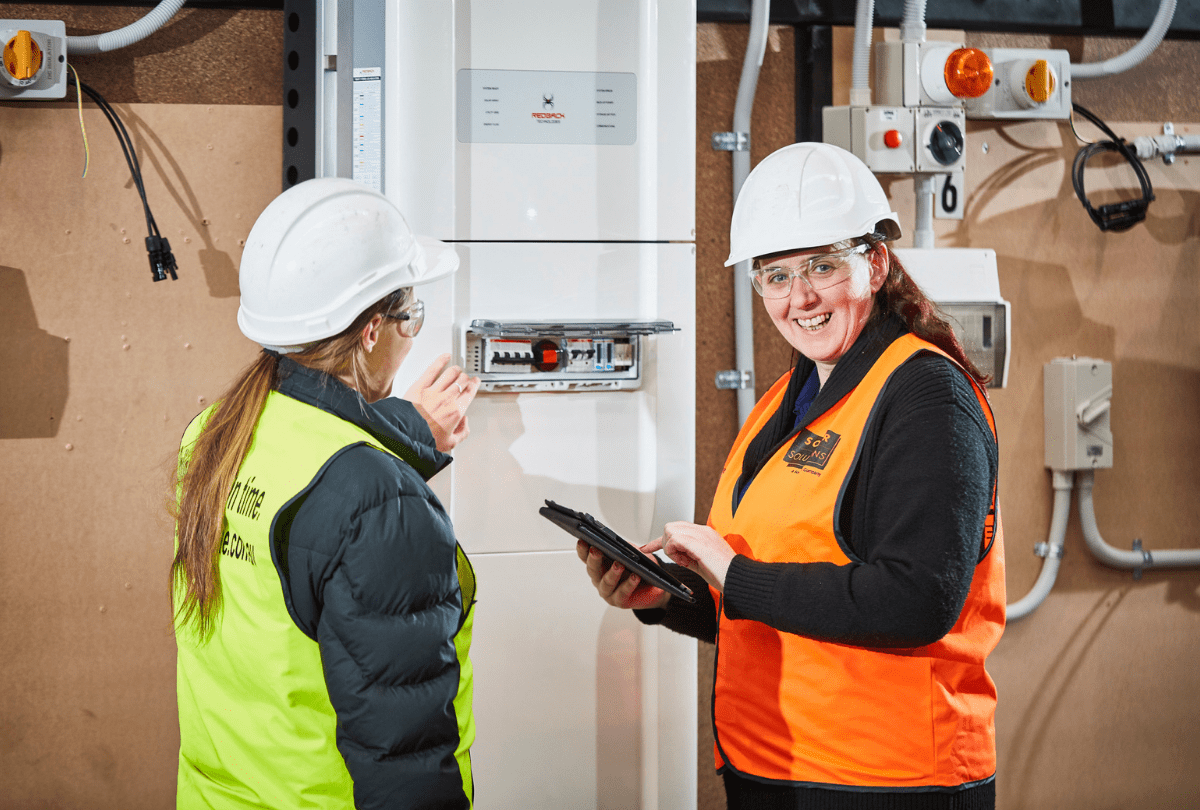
[{"x": 819, "y": 272}]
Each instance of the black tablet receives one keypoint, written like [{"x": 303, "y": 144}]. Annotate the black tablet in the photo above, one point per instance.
[{"x": 616, "y": 548}]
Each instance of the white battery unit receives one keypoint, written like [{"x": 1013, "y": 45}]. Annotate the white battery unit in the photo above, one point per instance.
[
  {"x": 1077, "y": 400},
  {"x": 1028, "y": 83},
  {"x": 965, "y": 284},
  {"x": 528, "y": 123}
]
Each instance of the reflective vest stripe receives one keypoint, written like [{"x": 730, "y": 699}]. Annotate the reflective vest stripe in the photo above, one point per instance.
[{"x": 793, "y": 709}]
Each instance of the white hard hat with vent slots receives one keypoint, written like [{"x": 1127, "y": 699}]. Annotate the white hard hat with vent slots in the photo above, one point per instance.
[
  {"x": 807, "y": 195},
  {"x": 321, "y": 253}
]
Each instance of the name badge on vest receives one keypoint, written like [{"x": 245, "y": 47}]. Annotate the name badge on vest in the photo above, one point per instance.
[{"x": 811, "y": 450}]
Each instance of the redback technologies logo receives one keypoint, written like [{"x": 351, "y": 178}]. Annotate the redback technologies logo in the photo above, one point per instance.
[
  {"x": 548, "y": 116},
  {"x": 811, "y": 450}
]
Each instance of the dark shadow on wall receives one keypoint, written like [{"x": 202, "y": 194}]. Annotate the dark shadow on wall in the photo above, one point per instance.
[{"x": 33, "y": 366}]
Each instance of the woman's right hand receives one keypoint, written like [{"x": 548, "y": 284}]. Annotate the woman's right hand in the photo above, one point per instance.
[{"x": 625, "y": 592}]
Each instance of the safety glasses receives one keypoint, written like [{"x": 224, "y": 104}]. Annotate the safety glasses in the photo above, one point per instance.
[
  {"x": 411, "y": 318},
  {"x": 818, "y": 272}
]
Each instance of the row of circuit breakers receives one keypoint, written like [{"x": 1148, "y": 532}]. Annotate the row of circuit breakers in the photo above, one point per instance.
[{"x": 544, "y": 356}]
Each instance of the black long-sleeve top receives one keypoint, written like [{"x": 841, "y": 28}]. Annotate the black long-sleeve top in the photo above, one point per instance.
[{"x": 912, "y": 515}]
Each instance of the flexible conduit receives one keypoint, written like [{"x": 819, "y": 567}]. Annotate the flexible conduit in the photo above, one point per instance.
[
  {"x": 743, "y": 294},
  {"x": 1136, "y": 559},
  {"x": 1053, "y": 550},
  {"x": 135, "y": 32},
  {"x": 860, "y": 76},
  {"x": 1133, "y": 56}
]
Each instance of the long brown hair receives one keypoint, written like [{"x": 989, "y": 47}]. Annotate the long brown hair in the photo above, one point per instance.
[
  {"x": 901, "y": 296},
  {"x": 207, "y": 470}
]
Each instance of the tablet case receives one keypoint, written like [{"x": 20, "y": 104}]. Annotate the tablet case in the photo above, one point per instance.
[{"x": 615, "y": 547}]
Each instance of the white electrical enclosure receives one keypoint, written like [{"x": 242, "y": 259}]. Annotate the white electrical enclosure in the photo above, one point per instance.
[
  {"x": 1077, "y": 399},
  {"x": 47, "y": 40},
  {"x": 1010, "y": 97},
  {"x": 965, "y": 284},
  {"x": 554, "y": 146}
]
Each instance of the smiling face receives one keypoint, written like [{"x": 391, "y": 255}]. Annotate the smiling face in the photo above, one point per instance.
[{"x": 823, "y": 324}]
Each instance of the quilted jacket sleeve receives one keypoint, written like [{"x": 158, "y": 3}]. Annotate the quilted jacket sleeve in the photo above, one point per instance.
[{"x": 373, "y": 579}]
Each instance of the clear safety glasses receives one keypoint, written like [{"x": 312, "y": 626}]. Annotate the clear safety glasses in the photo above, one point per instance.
[
  {"x": 818, "y": 272},
  {"x": 411, "y": 318}
]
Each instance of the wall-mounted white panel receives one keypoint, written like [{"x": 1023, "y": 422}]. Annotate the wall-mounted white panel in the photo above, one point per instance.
[
  {"x": 591, "y": 695},
  {"x": 636, "y": 183}
]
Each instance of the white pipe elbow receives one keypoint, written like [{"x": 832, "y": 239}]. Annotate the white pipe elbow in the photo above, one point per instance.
[
  {"x": 1138, "y": 558},
  {"x": 1053, "y": 551},
  {"x": 122, "y": 37},
  {"x": 1135, "y": 55}
]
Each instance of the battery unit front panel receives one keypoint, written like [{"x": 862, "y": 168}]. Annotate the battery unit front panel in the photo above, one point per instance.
[{"x": 532, "y": 124}]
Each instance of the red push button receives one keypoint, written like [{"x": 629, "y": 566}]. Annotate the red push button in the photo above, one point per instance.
[{"x": 892, "y": 139}]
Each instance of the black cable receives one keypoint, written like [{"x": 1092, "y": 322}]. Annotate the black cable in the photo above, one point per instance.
[
  {"x": 1118, "y": 216},
  {"x": 162, "y": 261}
]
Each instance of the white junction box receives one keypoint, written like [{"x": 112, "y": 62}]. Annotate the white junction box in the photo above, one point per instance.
[
  {"x": 884, "y": 138},
  {"x": 965, "y": 284},
  {"x": 1027, "y": 83},
  {"x": 1078, "y": 398}
]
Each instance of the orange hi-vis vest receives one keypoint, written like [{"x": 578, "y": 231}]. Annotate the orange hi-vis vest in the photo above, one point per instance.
[{"x": 792, "y": 709}]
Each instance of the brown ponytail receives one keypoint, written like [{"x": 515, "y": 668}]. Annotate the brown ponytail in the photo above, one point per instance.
[{"x": 207, "y": 471}]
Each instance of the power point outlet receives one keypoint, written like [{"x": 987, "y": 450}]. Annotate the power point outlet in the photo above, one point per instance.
[
  {"x": 1078, "y": 395},
  {"x": 34, "y": 59}
]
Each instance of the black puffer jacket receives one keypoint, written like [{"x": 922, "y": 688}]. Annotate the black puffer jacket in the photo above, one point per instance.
[{"x": 370, "y": 572}]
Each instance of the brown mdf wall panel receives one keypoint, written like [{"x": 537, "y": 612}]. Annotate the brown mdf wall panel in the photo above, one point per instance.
[
  {"x": 1100, "y": 680},
  {"x": 102, "y": 370},
  {"x": 201, "y": 56}
]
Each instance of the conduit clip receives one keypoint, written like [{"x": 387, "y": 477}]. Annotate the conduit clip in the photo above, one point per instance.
[
  {"x": 731, "y": 141},
  {"x": 1045, "y": 550},
  {"x": 733, "y": 379},
  {"x": 1147, "y": 558}
]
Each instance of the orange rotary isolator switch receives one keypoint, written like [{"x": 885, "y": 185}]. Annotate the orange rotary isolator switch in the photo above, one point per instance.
[{"x": 22, "y": 58}]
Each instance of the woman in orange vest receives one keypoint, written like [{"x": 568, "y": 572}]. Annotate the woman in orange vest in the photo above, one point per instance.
[{"x": 853, "y": 557}]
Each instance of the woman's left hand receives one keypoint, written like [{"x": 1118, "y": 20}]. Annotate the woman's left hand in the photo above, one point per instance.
[
  {"x": 698, "y": 548},
  {"x": 441, "y": 395}
]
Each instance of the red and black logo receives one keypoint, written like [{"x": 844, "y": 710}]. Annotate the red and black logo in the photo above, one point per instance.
[{"x": 811, "y": 450}]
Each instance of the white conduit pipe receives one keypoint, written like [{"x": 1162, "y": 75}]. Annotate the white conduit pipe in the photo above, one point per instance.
[
  {"x": 1133, "y": 56},
  {"x": 925, "y": 186},
  {"x": 102, "y": 43},
  {"x": 860, "y": 76},
  {"x": 1139, "y": 558},
  {"x": 743, "y": 293},
  {"x": 912, "y": 25},
  {"x": 1053, "y": 548}
]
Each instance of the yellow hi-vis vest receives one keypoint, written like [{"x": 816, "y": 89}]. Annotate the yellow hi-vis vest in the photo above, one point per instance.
[
  {"x": 256, "y": 726},
  {"x": 796, "y": 710}
]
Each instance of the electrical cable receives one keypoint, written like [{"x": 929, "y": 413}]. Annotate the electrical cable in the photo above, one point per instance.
[
  {"x": 1118, "y": 216},
  {"x": 87, "y": 152},
  {"x": 162, "y": 261}
]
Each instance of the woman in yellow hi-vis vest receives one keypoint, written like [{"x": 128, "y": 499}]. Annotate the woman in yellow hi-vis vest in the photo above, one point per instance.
[
  {"x": 323, "y": 606},
  {"x": 853, "y": 557}
]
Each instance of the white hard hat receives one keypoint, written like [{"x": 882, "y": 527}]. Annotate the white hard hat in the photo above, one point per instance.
[
  {"x": 807, "y": 195},
  {"x": 321, "y": 253}
]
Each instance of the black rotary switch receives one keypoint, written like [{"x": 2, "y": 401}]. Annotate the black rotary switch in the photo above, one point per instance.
[{"x": 946, "y": 143}]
